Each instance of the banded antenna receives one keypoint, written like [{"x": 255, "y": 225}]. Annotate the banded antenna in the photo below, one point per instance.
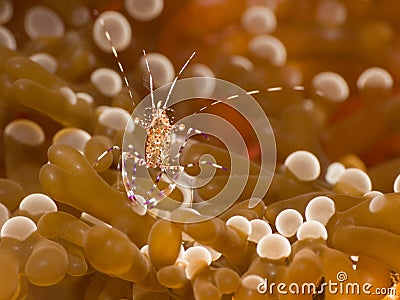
[{"x": 115, "y": 53}]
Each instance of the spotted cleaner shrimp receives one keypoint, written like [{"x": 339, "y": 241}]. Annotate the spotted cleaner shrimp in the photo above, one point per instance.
[{"x": 159, "y": 129}]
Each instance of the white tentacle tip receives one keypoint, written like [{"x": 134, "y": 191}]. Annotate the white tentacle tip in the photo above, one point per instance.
[
  {"x": 19, "y": 228},
  {"x": 274, "y": 247}
]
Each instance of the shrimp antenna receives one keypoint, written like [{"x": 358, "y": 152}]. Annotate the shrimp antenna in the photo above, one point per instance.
[
  {"x": 253, "y": 92},
  {"x": 115, "y": 53},
  {"x": 151, "y": 81},
  {"x": 176, "y": 79}
]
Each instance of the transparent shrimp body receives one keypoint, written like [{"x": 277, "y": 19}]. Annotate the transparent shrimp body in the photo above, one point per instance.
[{"x": 158, "y": 140}]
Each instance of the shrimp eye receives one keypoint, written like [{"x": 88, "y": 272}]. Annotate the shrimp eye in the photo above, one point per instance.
[{"x": 164, "y": 119}]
